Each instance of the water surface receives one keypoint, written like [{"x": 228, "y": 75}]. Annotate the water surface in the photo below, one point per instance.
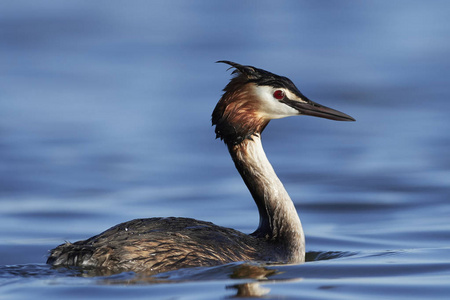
[{"x": 105, "y": 117}]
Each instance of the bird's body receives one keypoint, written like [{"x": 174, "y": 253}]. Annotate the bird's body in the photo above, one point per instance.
[
  {"x": 154, "y": 245},
  {"x": 157, "y": 245}
]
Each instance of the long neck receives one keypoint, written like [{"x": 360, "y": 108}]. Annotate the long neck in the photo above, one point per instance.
[{"x": 278, "y": 219}]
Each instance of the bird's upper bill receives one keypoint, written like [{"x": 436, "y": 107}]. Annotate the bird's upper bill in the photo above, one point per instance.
[{"x": 254, "y": 97}]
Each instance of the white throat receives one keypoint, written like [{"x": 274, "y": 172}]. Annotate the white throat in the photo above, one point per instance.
[{"x": 279, "y": 221}]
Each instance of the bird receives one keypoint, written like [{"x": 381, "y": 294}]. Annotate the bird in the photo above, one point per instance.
[{"x": 251, "y": 99}]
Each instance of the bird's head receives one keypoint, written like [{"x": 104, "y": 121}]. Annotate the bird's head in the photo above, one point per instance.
[{"x": 254, "y": 97}]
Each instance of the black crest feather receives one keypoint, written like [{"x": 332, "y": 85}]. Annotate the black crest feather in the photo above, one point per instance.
[{"x": 263, "y": 77}]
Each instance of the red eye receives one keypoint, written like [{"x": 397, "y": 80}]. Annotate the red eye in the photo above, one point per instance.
[{"x": 278, "y": 94}]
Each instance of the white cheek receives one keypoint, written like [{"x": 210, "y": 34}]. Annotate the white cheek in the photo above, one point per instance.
[{"x": 270, "y": 107}]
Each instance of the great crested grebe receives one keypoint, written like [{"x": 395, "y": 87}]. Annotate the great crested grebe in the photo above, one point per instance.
[{"x": 251, "y": 99}]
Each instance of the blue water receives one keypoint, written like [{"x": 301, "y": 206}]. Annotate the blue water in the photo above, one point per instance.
[{"x": 105, "y": 117}]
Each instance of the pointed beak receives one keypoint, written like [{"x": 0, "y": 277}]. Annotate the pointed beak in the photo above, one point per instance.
[{"x": 311, "y": 108}]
